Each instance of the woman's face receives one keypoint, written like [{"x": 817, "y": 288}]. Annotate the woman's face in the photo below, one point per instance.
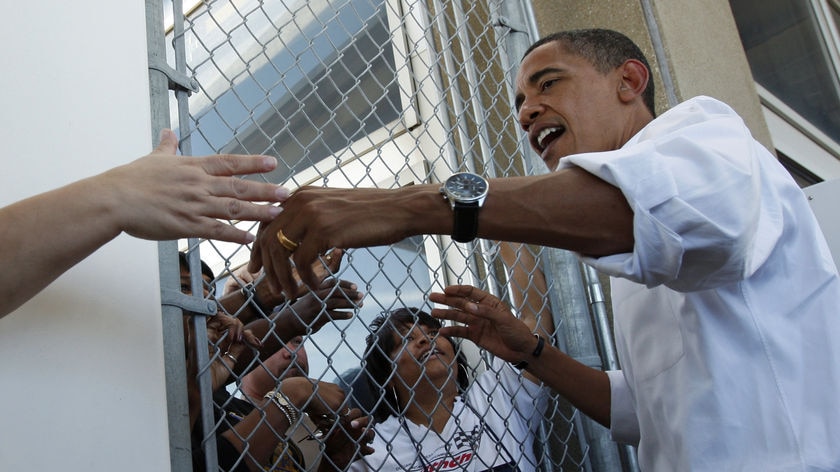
[{"x": 420, "y": 351}]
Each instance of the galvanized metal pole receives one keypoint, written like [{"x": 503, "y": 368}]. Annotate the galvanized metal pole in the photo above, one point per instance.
[{"x": 180, "y": 449}]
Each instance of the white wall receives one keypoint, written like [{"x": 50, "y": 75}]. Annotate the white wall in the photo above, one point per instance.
[{"x": 82, "y": 363}]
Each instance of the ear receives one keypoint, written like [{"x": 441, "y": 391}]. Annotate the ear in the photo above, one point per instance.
[{"x": 634, "y": 80}]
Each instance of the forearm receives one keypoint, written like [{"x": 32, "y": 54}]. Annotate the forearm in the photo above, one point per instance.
[
  {"x": 273, "y": 332},
  {"x": 250, "y": 308},
  {"x": 45, "y": 235},
  {"x": 569, "y": 209},
  {"x": 586, "y": 388}
]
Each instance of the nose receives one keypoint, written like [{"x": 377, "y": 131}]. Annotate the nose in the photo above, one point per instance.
[{"x": 528, "y": 112}]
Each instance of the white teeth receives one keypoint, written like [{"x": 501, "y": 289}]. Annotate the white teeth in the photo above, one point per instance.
[
  {"x": 430, "y": 353},
  {"x": 544, "y": 133}
]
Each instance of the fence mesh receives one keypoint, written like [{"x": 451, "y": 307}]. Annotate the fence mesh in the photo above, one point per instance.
[{"x": 358, "y": 93}]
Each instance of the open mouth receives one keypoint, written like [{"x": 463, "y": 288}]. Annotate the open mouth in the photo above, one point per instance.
[
  {"x": 431, "y": 352},
  {"x": 547, "y": 136}
]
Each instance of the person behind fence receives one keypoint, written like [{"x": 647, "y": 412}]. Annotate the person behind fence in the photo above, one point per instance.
[
  {"x": 156, "y": 197},
  {"x": 252, "y": 435},
  {"x": 428, "y": 417},
  {"x": 724, "y": 292}
]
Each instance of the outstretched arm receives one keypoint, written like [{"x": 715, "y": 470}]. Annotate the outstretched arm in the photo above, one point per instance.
[
  {"x": 485, "y": 320},
  {"x": 157, "y": 197},
  {"x": 569, "y": 208}
]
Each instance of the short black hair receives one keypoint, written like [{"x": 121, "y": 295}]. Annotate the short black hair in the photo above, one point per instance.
[
  {"x": 378, "y": 364},
  {"x": 605, "y": 50},
  {"x": 205, "y": 269}
]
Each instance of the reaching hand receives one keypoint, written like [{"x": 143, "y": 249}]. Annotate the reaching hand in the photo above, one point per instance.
[
  {"x": 347, "y": 438},
  {"x": 162, "y": 196},
  {"x": 315, "y": 220},
  {"x": 333, "y": 300},
  {"x": 485, "y": 320},
  {"x": 225, "y": 331}
]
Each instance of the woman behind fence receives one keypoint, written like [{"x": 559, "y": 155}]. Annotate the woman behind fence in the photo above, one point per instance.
[{"x": 428, "y": 418}]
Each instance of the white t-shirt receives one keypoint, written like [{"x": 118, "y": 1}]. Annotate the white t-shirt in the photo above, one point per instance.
[
  {"x": 727, "y": 312},
  {"x": 491, "y": 428}
]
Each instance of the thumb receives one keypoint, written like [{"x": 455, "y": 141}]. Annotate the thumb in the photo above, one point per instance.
[{"x": 168, "y": 142}]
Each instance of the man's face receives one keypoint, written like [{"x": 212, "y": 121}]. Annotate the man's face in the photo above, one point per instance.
[{"x": 566, "y": 106}]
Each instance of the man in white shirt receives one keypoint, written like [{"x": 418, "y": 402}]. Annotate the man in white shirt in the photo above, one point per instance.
[{"x": 724, "y": 292}]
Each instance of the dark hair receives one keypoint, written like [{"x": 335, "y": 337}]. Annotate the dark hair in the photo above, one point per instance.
[
  {"x": 385, "y": 329},
  {"x": 605, "y": 50},
  {"x": 205, "y": 269}
]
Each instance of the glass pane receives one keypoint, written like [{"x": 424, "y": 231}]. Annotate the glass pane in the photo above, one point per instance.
[
  {"x": 787, "y": 56},
  {"x": 297, "y": 80}
]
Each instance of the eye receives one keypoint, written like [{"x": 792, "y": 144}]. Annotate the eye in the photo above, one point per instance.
[
  {"x": 547, "y": 84},
  {"x": 432, "y": 334}
]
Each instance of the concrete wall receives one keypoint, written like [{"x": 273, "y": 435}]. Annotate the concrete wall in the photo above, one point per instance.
[{"x": 82, "y": 362}]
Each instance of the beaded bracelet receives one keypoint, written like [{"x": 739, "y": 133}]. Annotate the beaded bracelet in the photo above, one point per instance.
[
  {"x": 537, "y": 351},
  {"x": 282, "y": 401}
]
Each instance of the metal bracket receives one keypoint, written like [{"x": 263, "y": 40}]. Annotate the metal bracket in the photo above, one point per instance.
[
  {"x": 500, "y": 21},
  {"x": 187, "y": 302},
  {"x": 177, "y": 80}
]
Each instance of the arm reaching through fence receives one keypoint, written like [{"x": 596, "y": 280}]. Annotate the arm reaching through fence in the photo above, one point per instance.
[
  {"x": 156, "y": 197},
  {"x": 488, "y": 322}
]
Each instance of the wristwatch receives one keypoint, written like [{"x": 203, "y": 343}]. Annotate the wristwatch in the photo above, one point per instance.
[{"x": 466, "y": 193}]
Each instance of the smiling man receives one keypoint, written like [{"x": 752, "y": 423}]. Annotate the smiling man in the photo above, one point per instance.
[{"x": 724, "y": 292}]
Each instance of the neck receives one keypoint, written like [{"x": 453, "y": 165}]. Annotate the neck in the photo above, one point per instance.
[{"x": 429, "y": 405}]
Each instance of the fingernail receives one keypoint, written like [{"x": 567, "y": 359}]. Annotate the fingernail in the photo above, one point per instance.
[
  {"x": 269, "y": 161},
  {"x": 282, "y": 192},
  {"x": 355, "y": 423},
  {"x": 275, "y": 210}
]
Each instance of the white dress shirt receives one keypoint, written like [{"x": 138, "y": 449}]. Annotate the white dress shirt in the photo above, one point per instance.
[{"x": 727, "y": 312}]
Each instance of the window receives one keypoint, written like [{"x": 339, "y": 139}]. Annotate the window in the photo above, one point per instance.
[
  {"x": 791, "y": 46},
  {"x": 300, "y": 80}
]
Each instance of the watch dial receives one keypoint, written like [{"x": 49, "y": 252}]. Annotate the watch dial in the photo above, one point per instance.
[{"x": 466, "y": 186}]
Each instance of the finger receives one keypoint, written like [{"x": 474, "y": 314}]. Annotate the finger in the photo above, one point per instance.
[
  {"x": 250, "y": 190},
  {"x": 236, "y": 164},
  {"x": 252, "y": 339},
  {"x": 334, "y": 259},
  {"x": 255, "y": 262},
  {"x": 360, "y": 421},
  {"x": 455, "y": 301},
  {"x": 168, "y": 143},
  {"x": 455, "y": 331},
  {"x": 211, "y": 228},
  {"x": 458, "y": 316},
  {"x": 303, "y": 258}
]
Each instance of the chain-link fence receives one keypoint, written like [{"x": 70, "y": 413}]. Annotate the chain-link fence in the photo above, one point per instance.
[{"x": 360, "y": 93}]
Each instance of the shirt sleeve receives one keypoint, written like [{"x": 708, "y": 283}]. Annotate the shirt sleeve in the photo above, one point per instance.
[
  {"x": 693, "y": 181},
  {"x": 624, "y": 425}
]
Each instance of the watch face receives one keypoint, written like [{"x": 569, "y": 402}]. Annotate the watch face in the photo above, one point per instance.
[{"x": 466, "y": 187}]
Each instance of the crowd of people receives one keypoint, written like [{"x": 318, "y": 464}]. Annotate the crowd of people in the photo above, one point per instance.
[{"x": 724, "y": 294}]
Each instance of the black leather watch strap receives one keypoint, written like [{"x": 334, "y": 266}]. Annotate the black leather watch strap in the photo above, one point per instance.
[
  {"x": 465, "y": 226},
  {"x": 537, "y": 351}
]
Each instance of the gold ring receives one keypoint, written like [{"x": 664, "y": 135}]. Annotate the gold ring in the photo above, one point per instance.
[{"x": 286, "y": 242}]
